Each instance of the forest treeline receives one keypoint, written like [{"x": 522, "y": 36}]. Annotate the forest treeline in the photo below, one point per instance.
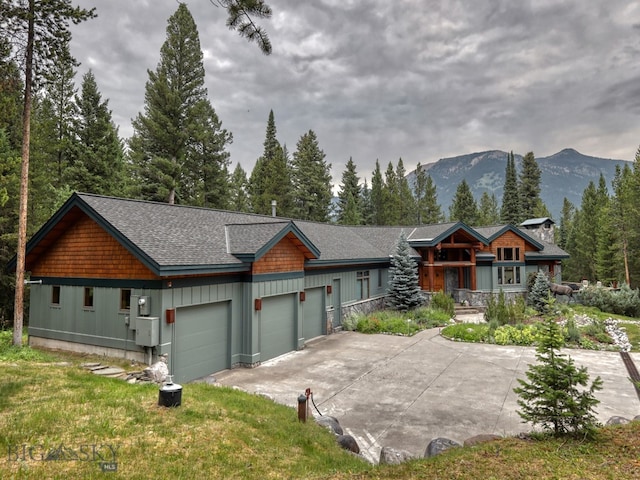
[{"x": 178, "y": 153}]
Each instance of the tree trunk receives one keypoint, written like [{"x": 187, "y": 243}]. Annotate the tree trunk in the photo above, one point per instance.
[{"x": 18, "y": 315}]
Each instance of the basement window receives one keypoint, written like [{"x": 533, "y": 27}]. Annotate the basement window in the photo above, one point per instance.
[
  {"x": 125, "y": 298},
  {"x": 55, "y": 295},
  {"x": 88, "y": 297}
]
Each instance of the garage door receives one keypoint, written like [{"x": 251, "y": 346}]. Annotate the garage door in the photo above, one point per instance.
[
  {"x": 202, "y": 341},
  {"x": 278, "y": 322},
  {"x": 313, "y": 313}
]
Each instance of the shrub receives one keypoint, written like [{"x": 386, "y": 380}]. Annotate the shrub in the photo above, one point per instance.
[
  {"x": 622, "y": 302},
  {"x": 350, "y": 322},
  {"x": 497, "y": 309},
  {"x": 515, "y": 335},
  {"x": 444, "y": 302},
  {"x": 467, "y": 332},
  {"x": 430, "y": 317}
]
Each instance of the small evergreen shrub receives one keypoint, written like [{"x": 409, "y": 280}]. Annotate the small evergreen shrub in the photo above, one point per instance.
[
  {"x": 430, "y": 317},
  {"x": 350, "y": 322},
  {"x": 556, "y": 395},
  {"x": 497, "y": 309},
  {"x": 538, "y": 296},
  {"x": 572, "y": 332},
  {"x": 444, "y": 302}
]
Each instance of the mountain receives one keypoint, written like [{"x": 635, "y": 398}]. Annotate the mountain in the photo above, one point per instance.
[{"x": 564, "y": 174}]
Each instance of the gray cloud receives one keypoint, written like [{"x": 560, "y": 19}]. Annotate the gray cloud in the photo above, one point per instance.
[{"x": 382, "y": 80}]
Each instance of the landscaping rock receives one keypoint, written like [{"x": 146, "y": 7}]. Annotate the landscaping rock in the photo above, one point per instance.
[
  {"x": 615, "y": 420},
  {"x": 439, "y": 445},
  {"x": 482, "y": 438},
  {"x": 331, "y": 423},
  {"x": 348, "y": 443},
  {"x": 159, "y": 371},
  {"x": 391, "y": 456}
]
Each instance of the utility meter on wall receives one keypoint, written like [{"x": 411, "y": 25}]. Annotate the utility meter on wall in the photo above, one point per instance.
[{"x": 144, "y": 306}]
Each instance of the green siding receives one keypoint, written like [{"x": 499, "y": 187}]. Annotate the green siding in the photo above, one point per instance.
[{"x": 484, "y": 278}]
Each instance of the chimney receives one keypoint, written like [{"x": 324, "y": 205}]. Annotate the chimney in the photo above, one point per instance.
[{"x": 273, "y": 208}]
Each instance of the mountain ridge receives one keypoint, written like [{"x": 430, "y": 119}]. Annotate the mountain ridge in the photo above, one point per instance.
[{"x": 564, "y": 174}]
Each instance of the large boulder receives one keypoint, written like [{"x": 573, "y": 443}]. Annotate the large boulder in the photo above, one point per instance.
[
  {"x": 615, "y": 420},
  {"x": 439, "y": 445},
  {"x": 348, "y": 443},
  {"x": 331, "y": 423},
  {"x": 482, "y": 438},
  {"x": 391, "y": 456},
  {"x": 159, "y": 371}
]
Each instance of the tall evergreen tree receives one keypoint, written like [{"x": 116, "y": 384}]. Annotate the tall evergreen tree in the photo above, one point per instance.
[
  {"x": 367, "y": 204},
  {"x": 407, "y": 202},
  {"x": 463, "y": 207},
  {"x": 510, "y": 211},
  {"x": 377, "y": 196},
  {"x": 98, "y": 166},
  {"x": 311, "y": 180},
  {"x": 582, "y": 242},
  {"x": 350, "y": 209},
  {"x": 566, "y": 222},
  {"x": 238, "y": 192},
  {"x": 11, "y": 89},
  {"x": 41, "y": 30},
  {"x": 271, "y": 176},
  {"x": 60, "y": 91},
  {"x": 488, "y": 213},
  {"x": 622, "y": 212},
  {"x": 391, "y": 208},
  {"x": 428, "y": 210},
  {"x": 208, "y": 176},
  {"x": 177, "y": 119},
  {"x": 529, "y": 187}
]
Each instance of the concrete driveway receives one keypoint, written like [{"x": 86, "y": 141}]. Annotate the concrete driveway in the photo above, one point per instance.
[{"x": 402, "y": 392}]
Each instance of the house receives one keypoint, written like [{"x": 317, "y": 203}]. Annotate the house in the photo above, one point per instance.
[{"x": 216, "y": 289}]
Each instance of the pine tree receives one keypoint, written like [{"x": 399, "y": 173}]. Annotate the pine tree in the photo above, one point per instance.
[
  {"x": 554, "y": 395},
  {"x": 350, "y": 197},
  {"x": 271, "y": 176},
  {"x": 208, "y": 175},
  {"x": 367, "y": 204},
  {"x": 391, "y": 208},
  {"x": 488, "y": 213},
  {"x": 377, "y": 196},
  {"x": 10, "y": 96},
  {"x": 428, "y": 210},
  {"x": 403, "y": 292},
  {"x": 311, "y": 180},
  {"x": 463, "y": 207},
  {"x": 175, "y": 130},
  {"x": 41, "y": 30},
  {"x": 98, "y": 166},
  {"x": 566, "y": 221},
  {"x": 529, "y": 187},
  {"x": 407, "y": 202},
  {"x": 622, "y": 213},
  {"x": 510, "y": 211},
  {"x": 239, "y": 197},
  {"x": 582, "y": 242}
]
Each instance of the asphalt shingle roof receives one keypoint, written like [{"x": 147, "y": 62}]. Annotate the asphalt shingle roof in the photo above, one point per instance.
[{"x": 177, "y": 237}]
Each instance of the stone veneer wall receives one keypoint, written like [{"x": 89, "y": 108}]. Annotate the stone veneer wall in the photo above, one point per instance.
[
  {"x": 475, "y": 298},
  {"x": 361, "y": 307}
]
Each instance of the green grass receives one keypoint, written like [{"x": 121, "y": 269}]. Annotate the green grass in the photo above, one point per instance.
[{"x": 219, "y": 432}]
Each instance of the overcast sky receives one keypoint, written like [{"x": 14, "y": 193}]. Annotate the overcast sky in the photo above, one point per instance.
[{"x": 384, "y": 79}]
